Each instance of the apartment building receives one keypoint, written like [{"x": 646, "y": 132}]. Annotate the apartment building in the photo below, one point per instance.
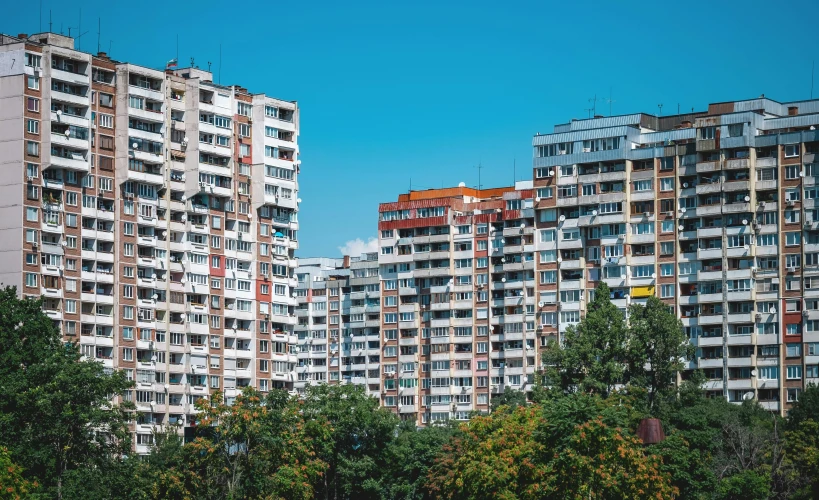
[
  {"x": 338, "y": 313},
  {"x": 156, "y": 213},
  {"x": 714, "y": 212},
  {"x": 458, "y": 299}
]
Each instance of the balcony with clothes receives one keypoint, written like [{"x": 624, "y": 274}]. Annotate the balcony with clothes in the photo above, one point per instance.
[{"x": 70, "y": 158}]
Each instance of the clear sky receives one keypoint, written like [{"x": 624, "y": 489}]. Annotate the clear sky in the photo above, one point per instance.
[{"x": 423, "y": 91}]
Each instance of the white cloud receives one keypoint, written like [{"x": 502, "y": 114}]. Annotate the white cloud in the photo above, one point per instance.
[{"x": 356, "y": 247}]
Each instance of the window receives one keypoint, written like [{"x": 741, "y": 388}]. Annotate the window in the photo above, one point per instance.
[
  {"x": 791, "y": 150},
  {"x": 33, "y": 104},
  {"x": 32, "y": 148},
  {"x": 794, "y": 372},
  {"x": 667, "y": 291},
  {"x": 667, "y": 184},
  {"x": 708, "y": 133},
  {"x": 32, "y": 126}
]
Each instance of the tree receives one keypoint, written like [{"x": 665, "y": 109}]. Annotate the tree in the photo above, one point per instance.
[
  {"x": 593, "y": 354},
  {"x": 657, "y": 348},
  {"x": 410, "y": 456},
  {"x": 56, "y": 412},
  {"x": 351, "y": 433},
  {"x": 12, "y": 484},
  {"x": 807, "y": 408},
  {"x": 254, "y": 448},
  {"x": 496, "y": 456},
  {"x": 510, "y": 397},
  {"x": 519, "y": 454}
]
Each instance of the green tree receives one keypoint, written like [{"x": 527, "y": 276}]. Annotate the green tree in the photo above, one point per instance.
[
  {"x": 519, "y": 454},
  {"x": 355, "y": 446},
  {"x": 657, "y": 348},
  {"x": 593, "y": 354},
  {"x": 13, "y": 486},
  {"x": 253, "y": 448},
  {"x": 410, "y": 456},
  {"x": 56, "y": 412},
  {"x": 496, "y": 456},
  {"x": 510, "y": 397}
]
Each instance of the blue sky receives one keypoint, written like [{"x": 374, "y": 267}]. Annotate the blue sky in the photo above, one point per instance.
[{"x": 393, "y": 92}]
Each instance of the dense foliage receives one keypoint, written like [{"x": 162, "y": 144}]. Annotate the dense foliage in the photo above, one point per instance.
[{"x": 60, "y": 436}]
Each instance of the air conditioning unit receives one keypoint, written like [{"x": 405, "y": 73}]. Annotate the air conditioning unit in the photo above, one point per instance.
[
  {"x": 30, "y": 177},
  {"x": 201, "y": 185},
  {"x": 646, "y": 214},
  {"x": 790, "y": 203},
  {"x": 129, "y": 196},
  {"x": 808, "y": 224},
  {"x": 805, "y": 312},
  {"x": 35, "y": 245},
  {"x": 621, "y": 236},
  {"x": 791, "y": 269},
  {"x": 669, "y": 214},
  {"x": 587, "y": 150},
  {"x": 758, "y": 316}
]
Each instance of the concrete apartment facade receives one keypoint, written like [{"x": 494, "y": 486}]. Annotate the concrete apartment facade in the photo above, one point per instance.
[
  {"x": 156, "y": 214},
  {"x": 458, "y": 299},
  {"x": 713, "y": 212},
  {"x": 338, "y": 312}
]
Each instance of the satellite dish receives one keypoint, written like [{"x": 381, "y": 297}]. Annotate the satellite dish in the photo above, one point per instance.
[
  {"x": 503, "y": 259},
  {"x": 772, "y": 310},
  {"x": 622, "y": 276},
  {"x": 680, "y": 227},
  {"x": 744, "y": 222},
  {"x": 59, "y": 112},
  {"x": 654, "y": 276},
  {"x": 747, "y": 198},
  {"x": 183, "y": 198},
  {"x": 64, "y": 243},
  {"x": 748, "y": 396},
  {"x": 134, "y": 145},
  {"x": 594, "y": 212},
  {"x": 67, "y": 132},
  {"x": 562, "y": 218},
  {"x": 753, "y": 373},
  {"x": 522, "y": 225},
  {"x": 682, "y": 210},
  {"x": 298, "y": 200},
  {"x": 461, "y": 184},
  {"x": 503, "y": 280}
]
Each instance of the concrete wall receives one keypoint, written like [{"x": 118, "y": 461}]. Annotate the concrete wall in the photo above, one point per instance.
[{"x": 12, "y": 174}]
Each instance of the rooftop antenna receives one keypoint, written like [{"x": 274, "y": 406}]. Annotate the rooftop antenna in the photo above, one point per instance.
[
  {"x": 191, "y": 62},
  {"x": 177, "y": 47},
  {"x": 610, "y": 100},
  {"x": 209, "y": 66},
  {"x": 479, "y": 167},
  {"x": 812, "y": 67},
  {"x": 41, "y": 15},
  {"x": 661, "y": 109},
  {"x": 99, "y": 31},
  {"x": 514, "y": 171},
  {"x": 219, "y": 81},
  {"x": 589, "y": 111},
  {"x": 593, "y": 100},
  {"x": 49, "y": 20}
]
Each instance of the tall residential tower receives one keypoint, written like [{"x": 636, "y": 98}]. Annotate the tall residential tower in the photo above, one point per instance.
[{"x": 156, "y": 214}]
